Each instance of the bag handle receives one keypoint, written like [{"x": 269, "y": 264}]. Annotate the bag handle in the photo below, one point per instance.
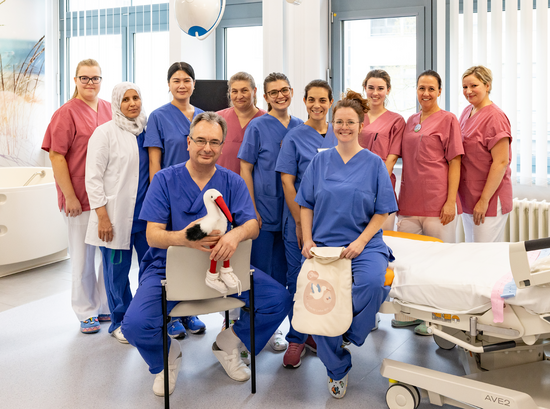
[{"x": 326, "y": 255}]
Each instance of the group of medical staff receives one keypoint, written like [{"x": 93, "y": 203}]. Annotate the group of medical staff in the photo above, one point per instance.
[{"x": 312, "y": 183}]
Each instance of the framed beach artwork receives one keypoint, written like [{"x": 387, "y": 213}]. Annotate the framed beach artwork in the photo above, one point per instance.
[{"x": 22, "y": 100}]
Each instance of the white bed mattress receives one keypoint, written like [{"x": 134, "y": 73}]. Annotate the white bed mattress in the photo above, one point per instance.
[{"x": 456, "y": 277}]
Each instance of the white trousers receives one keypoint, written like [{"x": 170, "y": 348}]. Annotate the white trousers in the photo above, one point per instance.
[
  {"x": 490, "y": 231},
  {"x": 389, "y": 224},
  {"x": 428, "y": 226},
  {"x": 88, "y": 296}
]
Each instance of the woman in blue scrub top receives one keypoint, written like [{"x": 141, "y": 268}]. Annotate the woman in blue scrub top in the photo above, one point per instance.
[
  {"x": 345, "y": 197},
  {"x": 300, "y": 145},
  {"x": 117, "y": 178},
  {"x": 258, "y": 153},
  {"x": 166, "y": 139},
  {"x": 168, "y": 126}
]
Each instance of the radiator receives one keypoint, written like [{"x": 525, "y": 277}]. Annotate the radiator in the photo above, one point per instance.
[{"x": 528, "y": 220}]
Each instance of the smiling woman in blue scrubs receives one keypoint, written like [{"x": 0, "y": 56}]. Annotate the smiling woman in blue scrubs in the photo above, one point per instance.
[
  {"x": 166, "y": 140},
  {"x": 345, "y": 197},
  {"x": 258, "y": 153},
  {"x": 300, "y": 145},
  {"x": 168, "y": 126}
]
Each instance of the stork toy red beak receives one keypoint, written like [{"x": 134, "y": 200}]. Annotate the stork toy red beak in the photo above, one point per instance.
[{"x": 221, "y": 204}]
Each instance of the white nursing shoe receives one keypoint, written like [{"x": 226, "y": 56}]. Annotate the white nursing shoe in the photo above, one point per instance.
[
  {"x": 173, "y": 371},
  {"x": 233, "y": 364}
]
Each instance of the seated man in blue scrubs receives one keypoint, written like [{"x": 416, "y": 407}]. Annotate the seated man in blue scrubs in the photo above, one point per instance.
[{"x": 173, "y": 204}]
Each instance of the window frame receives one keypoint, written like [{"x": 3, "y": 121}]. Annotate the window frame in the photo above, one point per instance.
[
  {"x": 133, "y": 19},
  {"x": 345, "y": 10},
  {"x": 238, "y": 13}
]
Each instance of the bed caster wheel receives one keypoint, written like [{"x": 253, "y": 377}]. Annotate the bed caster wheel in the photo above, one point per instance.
[
  {"x": 402, "y": 396},
  {"x": 443, "y": 343}
]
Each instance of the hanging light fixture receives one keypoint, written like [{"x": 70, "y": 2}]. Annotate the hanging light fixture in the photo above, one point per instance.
[{"x": 199, "y": 18}]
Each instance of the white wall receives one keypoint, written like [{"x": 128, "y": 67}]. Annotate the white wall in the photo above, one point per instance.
[{"x": 296, "y": 43}]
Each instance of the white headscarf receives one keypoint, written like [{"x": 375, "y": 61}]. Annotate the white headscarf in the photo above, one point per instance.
[{"x": 134, "y": 126}]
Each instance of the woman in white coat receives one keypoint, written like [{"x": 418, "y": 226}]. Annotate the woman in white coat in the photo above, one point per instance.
[{"x": 117, "y": 178}]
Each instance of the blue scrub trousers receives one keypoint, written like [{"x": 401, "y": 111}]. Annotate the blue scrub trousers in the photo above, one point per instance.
[
  {"x": 142, "y": 324},
  {"x": 368, "y": 293},
  {"x": 268, "y": 254},
  {"x": 116, "y": 268},
  {"x": 294, "y": 264}
]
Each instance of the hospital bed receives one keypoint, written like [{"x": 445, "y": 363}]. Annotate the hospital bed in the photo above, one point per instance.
[{"x": 458, "y": 290}]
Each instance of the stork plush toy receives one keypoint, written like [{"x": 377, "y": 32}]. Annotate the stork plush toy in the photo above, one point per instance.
[{"x": 216, "y": 219}]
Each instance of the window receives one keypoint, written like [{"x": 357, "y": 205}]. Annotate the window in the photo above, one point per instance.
[
  {"x": 127, "y": 37},
  {"x": 239, "y": 41},
  {"x": 377, "y": 36},
  {"x": 248, "y": 58}
]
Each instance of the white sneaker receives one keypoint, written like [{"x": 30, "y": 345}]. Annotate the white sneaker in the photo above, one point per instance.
[
  {"x": 173, "y": 371},
  {"x": 230, "y": 279},
  {"x": 117, "y": 333},
  {"x": 233, "y": 364},
  {"x": 278, "y": 342},
  {"x": 214, "y": 281}
]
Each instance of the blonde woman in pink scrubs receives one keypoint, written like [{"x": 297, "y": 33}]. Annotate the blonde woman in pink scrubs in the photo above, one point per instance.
[
  {"x": 485, "y": 187},
  {"x": 382, "y": 130},
  {"x": 242, "y": 94},
  {"x": 66, "y": 140}
]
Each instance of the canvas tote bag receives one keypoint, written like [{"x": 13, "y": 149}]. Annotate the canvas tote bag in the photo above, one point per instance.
[{"x": 322, "y": 303}]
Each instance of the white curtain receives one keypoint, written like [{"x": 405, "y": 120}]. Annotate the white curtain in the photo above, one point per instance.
[{"x": 513, "y": 43}]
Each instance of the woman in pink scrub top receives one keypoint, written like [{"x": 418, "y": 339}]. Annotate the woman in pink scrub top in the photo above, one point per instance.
[
  {"x": 242, "y": 94},
  {"x": 485, "y": 186},
  {"x": 66, "y": 140},
  {"x": 383, "y": 130},
  {"x": 431, "y": 151}
]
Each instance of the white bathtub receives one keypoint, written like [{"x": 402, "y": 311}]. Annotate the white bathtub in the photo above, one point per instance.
[{"x": 32, "y": 230}]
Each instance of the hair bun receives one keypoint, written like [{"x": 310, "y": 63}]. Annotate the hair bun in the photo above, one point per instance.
[{"x": 352, "y": 95}]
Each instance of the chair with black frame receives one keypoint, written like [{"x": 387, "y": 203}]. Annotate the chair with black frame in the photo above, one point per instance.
[{"x": 184, "y": 282}]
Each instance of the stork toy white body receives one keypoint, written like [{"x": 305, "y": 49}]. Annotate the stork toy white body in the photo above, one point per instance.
[{"x": 216, "y": 219}]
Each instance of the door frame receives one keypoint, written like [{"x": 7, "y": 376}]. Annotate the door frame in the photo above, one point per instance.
[{"x": 424, "y": 39}]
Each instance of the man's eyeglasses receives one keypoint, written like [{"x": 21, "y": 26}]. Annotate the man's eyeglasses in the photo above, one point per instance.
[
  {"x": 350, "y": 124},
  {"x": 275, "y": 92},
  {"x": 86, "y": 80},
  {"x": 202, "y": 142}
]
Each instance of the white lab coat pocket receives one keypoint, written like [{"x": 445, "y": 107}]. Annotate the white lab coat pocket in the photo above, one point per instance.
[{"x": 323, "y": 303}]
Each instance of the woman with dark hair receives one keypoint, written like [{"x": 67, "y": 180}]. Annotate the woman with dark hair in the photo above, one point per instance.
[
  {"x": 117, "y": 178},
  {"x": 66, "y": 140},
  {"x": 299, "y": 146},
  {"x": 258, "y": 154},
  {"x": 485, "y": 187},
  {"x": 168, "y": 126},
  {"x": 431, "y": 151},
  {"x": 383, "y": 130},
  {"x": 166, "y": 140},
  {"x": 345, "y": 198},
  {"x": 242, "y": 97}
]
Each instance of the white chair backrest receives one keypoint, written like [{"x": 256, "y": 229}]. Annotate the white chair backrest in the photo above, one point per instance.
[{"x": 186, "y": 270}]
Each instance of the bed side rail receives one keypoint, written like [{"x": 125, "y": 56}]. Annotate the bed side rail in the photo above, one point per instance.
[{"x": 520, "y": 264}]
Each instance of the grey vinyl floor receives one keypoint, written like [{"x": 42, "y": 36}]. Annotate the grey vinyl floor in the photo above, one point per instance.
[{"x": 45, "y": 362}]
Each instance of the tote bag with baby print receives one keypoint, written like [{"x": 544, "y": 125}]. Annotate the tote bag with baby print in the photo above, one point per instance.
[{"x": 322, "y": 303}]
